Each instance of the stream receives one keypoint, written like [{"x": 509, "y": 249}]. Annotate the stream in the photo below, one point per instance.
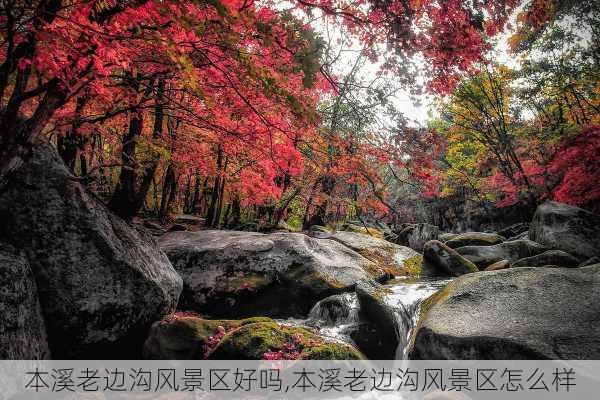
[{"x": 336, "y": 321}]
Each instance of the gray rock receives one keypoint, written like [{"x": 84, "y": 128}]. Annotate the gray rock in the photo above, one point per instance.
[
  {"x": 520, "y": 236},
  {"x": 439, "y": 259},
  {"x": 444, "y": 237},
  {"x": 521, "y": 313},
  {"x": 379, "y": 336},
  {"x": 421, "y": 234},
  {"x": 230, "y": 274},
  {"x": 332, "y": 310},
  {"x": 22, "y": 328},
  {"x": 563, "y": 227},
  {"x": 389, "y": 257},
  {"x": 101, "y": 284},
  {"x": 590, "y": 261},
  {"x": 402, "y": 232},
  {"x": 484, "y": 256},
  {"x": 551, "y": 257},
  {"x": 514, "y": 230},
  {"x": 475, "y": 239},
  {"x": 502, "y": 264}
]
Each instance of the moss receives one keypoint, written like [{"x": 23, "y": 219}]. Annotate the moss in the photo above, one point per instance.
[
  {"x": 255, "y": 320},
  {"x": 247, "y": 281},
  {"x": 253, "y": 339},
  {"x": 332, "y": 351},
  {"x": 250, "y": 342},
  {"x": 413, "y": 265},
  {"x": 376, "y": 233}
]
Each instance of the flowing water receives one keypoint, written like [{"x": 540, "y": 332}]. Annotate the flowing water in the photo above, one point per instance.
[{"x": 337, "y": 316}]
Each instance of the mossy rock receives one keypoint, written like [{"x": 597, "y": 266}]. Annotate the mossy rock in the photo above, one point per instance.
[
  {"x": 252, "y": 341},
  {"x": 439, "y": 259},
  {"x": 362, "y": 229},
  {"x": 332, "y": 351},
  {"x": 414, "y": 265},
  {"x": 182, "y": 336}
]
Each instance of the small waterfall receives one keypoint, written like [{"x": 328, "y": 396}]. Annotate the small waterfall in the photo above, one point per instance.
[
  {"x": 406, "y": 298},
  {"x": 337, "y": 317},
  {"x": 335, "y": 310}
]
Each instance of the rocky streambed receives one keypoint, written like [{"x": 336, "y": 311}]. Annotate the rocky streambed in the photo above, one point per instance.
[{"x": 76, "y": 281}]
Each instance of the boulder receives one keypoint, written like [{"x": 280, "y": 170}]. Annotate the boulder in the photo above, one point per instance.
[
  {"x": 514, "y": 230},
  {"x": 270, "y": 340},
  {"x": 563, "y": 227},
  {"x": 475, "y": 239},
  {"x": 502, "y": 264},
  {"x": 332, "y": 310},
  {"x": 22, "y": 328},
  {"x": 233, "y": 274},
  {"x": 439, "y": 259},
  {"x": 421, "y": 234},
  {"x": 378, "y": 337},
  {"x": 520, "y": 236},
  {"x": 551, "y": 257},
  {"x": 183, "y": 336},
  {"x": 520, "y": 313},
  {"x": 589, "y": 261},
  {"x": 101, "y": 284},
  {"x": 484, "y": 256},
  {"x": 402, "y": 232},
  {"x": 444, "y": 237},
  {"x": 389, "y": 257}
]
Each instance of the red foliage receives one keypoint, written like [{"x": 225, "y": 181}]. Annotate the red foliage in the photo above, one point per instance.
[
  {"x": 213, "y": 341},
  {"x": 571, "y": 176},
  {"x": 577, "y": 163}
]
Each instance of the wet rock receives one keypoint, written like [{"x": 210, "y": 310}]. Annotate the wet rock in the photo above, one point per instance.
[
  {"x": 475, "y": 239},
  {"x": 268, "y": 340},
  {"x": 502, "y": 264},
  {"x": 517, "y": 313},
  {"x": 332, "y": 310},
  {"x": 439, "y": 259},
  {"x": 389, "y": 257},
  {"x": 551, "y": 257},
  {"x": 101, "y": 283},
  {"x": 483, "y": 256},
  {"x": 22, "y": 327},
  {"x": 379, "y": 336},
  {"x": 563, "y": 227},
  {"x": 232, "y": 274}
]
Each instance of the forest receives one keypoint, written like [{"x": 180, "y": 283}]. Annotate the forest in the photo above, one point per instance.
[
  {"x": 178, "y": 165},
  {"x": 240, "y": 112}
]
